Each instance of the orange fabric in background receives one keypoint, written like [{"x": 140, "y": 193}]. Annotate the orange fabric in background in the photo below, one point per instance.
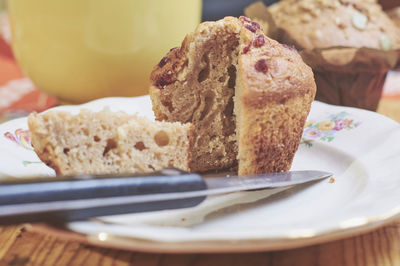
[
  {"x": 13, "y": 100},
  {"x": 5, "y": 49},
  {"x": 8, "y": 68}
]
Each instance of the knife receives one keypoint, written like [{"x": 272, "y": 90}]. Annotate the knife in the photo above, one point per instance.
[{"x": 80, "y": 197}]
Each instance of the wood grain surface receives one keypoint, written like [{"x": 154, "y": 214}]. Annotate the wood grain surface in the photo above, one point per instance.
[
  {"x": 379, "y": 247},
  {"x": 21, "y": 247}
]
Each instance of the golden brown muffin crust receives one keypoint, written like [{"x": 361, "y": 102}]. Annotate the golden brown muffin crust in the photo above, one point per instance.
[
  {"x": 286, "y": 76},
  {"x": 327, "y": 23},
  {"x": 271, "y": 88}
]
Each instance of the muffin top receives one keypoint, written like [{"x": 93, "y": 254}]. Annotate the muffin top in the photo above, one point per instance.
[
  {"x": 273, "y": 71},
  {"x": 328, "y": 23}
]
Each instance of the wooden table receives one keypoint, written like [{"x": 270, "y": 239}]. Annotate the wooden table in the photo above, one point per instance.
[{"x": 380, "y": 247}]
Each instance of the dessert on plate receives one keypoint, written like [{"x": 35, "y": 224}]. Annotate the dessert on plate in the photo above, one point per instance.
[
  {"x": 247, "y": 96},
  {"x": 108, "y": 142},
  {"x": 228, "y": 98},
  {"x": 350, "y": 44}
]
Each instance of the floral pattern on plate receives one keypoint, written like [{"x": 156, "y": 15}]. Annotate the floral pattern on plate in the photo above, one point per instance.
[
  {"x": 327, "y": 129},
  {"x": 21, "y": 137}
]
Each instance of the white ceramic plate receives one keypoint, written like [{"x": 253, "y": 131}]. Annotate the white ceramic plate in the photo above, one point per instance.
[{"x": 361, "y": 148}]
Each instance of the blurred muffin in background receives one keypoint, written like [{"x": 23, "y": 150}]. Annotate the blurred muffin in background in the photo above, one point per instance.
[
  {"x": 350, "y": 44},
  {"x": 326, "y": 23},
  {"x": 261, "y": 13}
]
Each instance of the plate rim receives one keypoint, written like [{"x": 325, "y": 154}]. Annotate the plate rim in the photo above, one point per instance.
[
  {"x": 210, "y": 246},
  {"x": 264, "y": 244}
]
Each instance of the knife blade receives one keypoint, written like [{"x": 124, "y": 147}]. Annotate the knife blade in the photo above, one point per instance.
[{"x": 85, "y": 196}]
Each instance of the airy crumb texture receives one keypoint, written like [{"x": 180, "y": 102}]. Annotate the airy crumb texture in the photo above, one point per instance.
[
  {"x": 107, "y": 142},
  {"x": 247, "y": 96},
  {"x": 202, "y": 92},
  {"x": 155, "y": 145}
]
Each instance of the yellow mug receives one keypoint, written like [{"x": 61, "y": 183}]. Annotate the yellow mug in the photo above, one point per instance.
[{"x": 79, "y": 50}]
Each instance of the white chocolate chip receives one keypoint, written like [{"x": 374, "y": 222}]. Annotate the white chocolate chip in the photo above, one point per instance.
[
  {"x": 359, "y": 20},
  {"x": 385, "y": 43}
]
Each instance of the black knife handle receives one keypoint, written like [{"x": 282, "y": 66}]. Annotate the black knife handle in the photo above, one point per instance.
[{"x": 37, "y": 191}]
